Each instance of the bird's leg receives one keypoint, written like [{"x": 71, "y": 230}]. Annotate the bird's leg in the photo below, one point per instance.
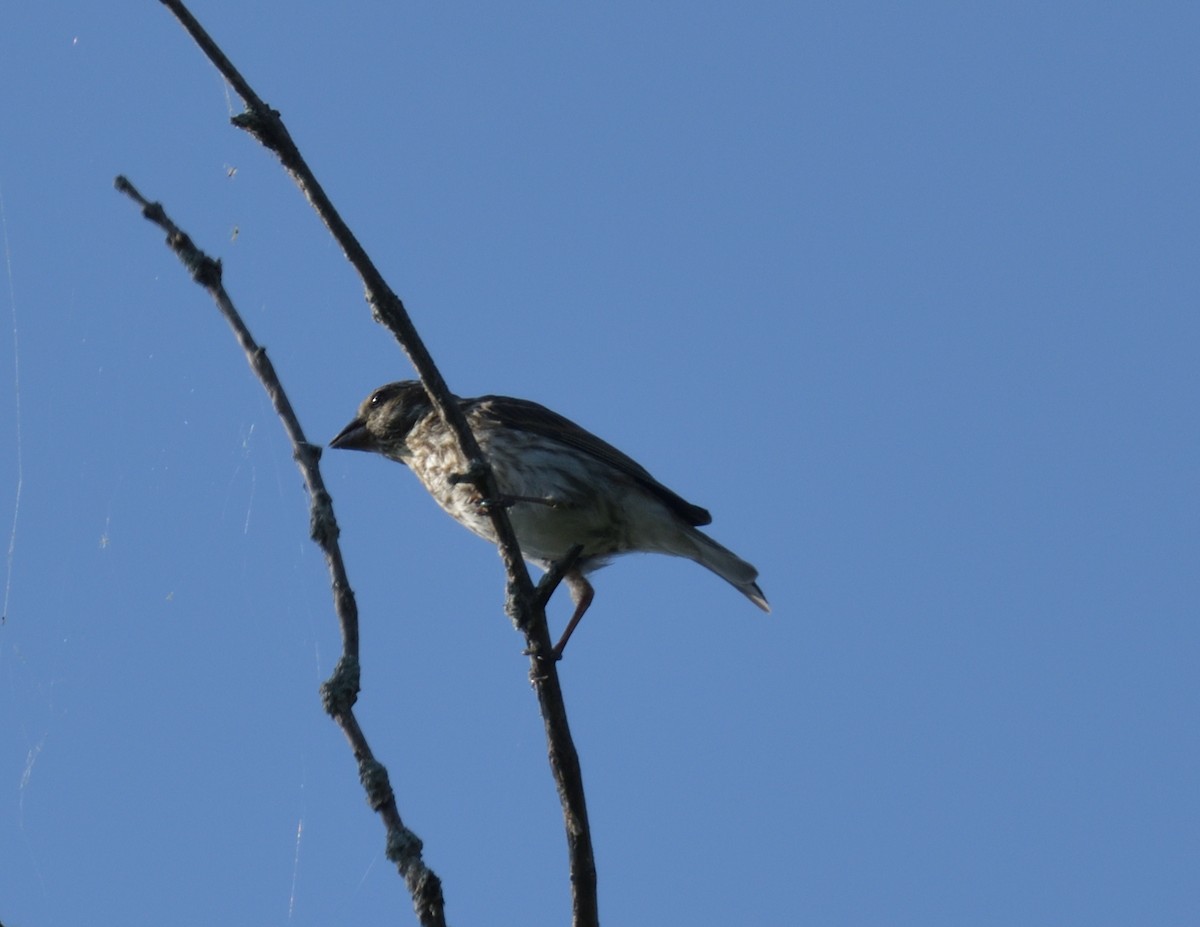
[
  {"x": 554, "y": 575},
  {"x": 581, "y": 591}
]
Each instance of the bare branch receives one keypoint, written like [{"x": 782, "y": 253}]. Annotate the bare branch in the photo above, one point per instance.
[
  {"x": 527, "y": 613},
  {"x": 340, "y": 692}
]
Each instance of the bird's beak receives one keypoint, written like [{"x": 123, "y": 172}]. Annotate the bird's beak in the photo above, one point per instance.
[{"x": 354, "y": 437}]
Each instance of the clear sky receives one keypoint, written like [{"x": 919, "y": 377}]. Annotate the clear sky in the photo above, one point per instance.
[{"x": 905, "y": 294}]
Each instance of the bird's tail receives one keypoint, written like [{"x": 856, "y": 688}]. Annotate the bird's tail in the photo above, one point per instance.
[{"x": 725, "y": 563}]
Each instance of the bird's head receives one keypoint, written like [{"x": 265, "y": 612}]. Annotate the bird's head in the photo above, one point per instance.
[{"x": 384, "y": 420}]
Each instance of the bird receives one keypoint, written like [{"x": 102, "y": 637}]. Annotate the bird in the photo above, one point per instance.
[{"x": 563, "y": 487}]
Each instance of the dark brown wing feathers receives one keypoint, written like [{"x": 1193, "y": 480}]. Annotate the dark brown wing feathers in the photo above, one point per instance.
[{"x": 537, "y": 419}]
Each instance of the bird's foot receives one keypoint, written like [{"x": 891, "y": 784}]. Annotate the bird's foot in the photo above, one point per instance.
[
  {"x": 504, "y": 500},
  {"x": 473, "y": 474},
  {"x": 554, "y": 656}
]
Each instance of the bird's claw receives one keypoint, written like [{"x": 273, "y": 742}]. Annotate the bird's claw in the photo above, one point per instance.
[
  {"x": 494, "y": 502},
  {"x": 503, "y": 500},
  {"x": 535, "y": 652}
]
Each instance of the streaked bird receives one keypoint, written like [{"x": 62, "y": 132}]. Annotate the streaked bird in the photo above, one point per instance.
[{"x": 562, "y": 486}]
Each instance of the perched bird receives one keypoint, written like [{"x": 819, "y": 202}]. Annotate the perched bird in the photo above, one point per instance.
[{"x": 562, "y": 485}]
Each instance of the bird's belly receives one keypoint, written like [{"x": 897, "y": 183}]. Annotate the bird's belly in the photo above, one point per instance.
[
  {"x": 559, "y": 499},
  {"x": 556, "y": 499},
  {"x": 548, "y": 532},
  {"x": 548, "y": 519}
]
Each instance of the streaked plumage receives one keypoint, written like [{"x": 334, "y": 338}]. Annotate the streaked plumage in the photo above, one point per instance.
[{"x": 563, "y": 486}]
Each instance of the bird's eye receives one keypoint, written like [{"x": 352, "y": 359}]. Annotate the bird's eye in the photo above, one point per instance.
[{"x": 376, "y": 398}]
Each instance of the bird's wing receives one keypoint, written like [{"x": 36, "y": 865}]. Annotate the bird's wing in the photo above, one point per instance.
[{"x": 537, "y": 419}]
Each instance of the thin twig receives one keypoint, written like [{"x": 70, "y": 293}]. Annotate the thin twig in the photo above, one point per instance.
[
  {"x": 341, "y": 690},
  {"x": 527, "y": 614}
]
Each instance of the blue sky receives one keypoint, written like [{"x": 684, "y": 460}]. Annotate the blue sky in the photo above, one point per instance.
[{"x": 905, "y": 295}]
